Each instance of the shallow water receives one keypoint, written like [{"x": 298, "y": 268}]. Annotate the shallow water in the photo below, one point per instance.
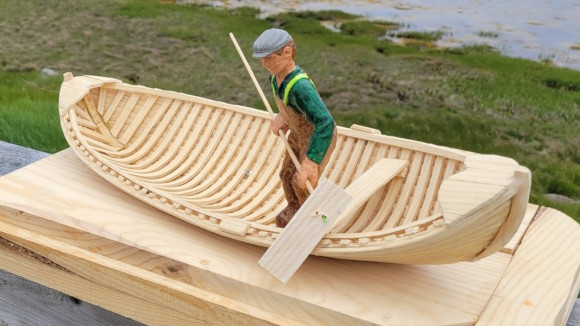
[{"x": 531, "y": 29}]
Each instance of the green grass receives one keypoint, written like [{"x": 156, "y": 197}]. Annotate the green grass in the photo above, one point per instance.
[
  {"x": 470, "y": 98},
  {"x": 488, "y": 34},
  {"x": 421, "y": 36},
  {"x": 367, "y": 28},
  {"x": 27, "y": 115}
]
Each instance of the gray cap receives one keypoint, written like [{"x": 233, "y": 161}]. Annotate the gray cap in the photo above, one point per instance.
[{"x": 270, "y": 41}]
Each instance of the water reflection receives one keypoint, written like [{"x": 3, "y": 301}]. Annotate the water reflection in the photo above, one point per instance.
[{"x": 531, "y": 29}]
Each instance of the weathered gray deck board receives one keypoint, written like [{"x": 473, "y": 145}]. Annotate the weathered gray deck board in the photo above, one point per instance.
[
  {"x": 23, "y": 302},
  {"x": 574, "y": 319}
]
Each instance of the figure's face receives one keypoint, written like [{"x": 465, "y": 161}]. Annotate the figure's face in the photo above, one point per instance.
[{"x": 277, "y": 62}]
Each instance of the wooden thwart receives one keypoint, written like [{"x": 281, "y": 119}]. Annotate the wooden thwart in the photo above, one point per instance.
[
  {"x": 325, "y": 206},
  {"x": 363, "y": 187}
]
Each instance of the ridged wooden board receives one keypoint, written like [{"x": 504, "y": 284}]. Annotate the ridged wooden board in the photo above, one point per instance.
[
  {"x": 134, "y": 283},
  {"x": 138, "y": 261},
  {"x": 323, "y": 291}
]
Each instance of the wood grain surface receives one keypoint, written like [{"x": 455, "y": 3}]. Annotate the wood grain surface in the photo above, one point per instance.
[
  {"x": 57, "y": 308},
  {"x": 323, "y": 291},
  {"x": 23, "y": 302}
]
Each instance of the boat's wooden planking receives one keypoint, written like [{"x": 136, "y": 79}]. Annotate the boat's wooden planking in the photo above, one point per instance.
[
  {"x": 207, "y": 162},
  {"x": 223, "y": 158},
  {"x": 519, "y": 299}
]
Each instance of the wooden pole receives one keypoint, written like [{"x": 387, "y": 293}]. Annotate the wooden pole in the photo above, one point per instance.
[{"x": 267, "y": 104}]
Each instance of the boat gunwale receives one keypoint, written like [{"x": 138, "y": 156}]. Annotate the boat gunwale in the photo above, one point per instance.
[
  {"x": 259, "y": 234},
  {"x": 427, "y": 148},
  {"x": 211, "y": 220}
]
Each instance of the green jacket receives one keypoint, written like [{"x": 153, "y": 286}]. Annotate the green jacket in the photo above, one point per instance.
[{"x": 304, "y": 99}]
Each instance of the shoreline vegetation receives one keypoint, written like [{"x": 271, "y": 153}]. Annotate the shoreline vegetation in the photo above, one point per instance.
[{"x": 470, "y": 98}]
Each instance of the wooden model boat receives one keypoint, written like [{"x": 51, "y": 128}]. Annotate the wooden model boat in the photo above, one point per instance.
[{"x": 215, "y": 165}]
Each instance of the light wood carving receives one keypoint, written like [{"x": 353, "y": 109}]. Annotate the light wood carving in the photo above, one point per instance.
[{"x": 215, "y": 165}]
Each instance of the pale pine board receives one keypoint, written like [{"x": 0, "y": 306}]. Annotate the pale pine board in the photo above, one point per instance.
[
  {"x": 120, "y": 278},
  {"x": 323, "y": 291},
  {"x": 543, "y": 279},
  {"x": 305, "y": 230},
  {"x": 514, "y": 243},
  {"x": 307, "y": 227}
]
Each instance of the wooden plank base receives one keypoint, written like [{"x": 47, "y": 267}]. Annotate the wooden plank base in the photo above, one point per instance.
[
  {"x": 543, "y": 279},
  {"x": 134, "y": 258},
  {"x": 151, "y": 293}
]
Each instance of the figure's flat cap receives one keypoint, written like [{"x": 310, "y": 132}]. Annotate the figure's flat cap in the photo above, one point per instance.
[{"x": 270, "y": 41}]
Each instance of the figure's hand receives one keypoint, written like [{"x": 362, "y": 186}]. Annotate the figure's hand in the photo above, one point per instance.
[
  {"x": 279, "y": 124},
  {"x": 309, "y": 171}
]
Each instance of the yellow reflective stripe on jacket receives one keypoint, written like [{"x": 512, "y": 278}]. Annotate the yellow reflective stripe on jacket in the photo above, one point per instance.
[{"x": 291, "y": 83}]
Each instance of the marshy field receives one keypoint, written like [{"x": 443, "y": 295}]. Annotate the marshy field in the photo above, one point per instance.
[{"x": 469, "y": 97}]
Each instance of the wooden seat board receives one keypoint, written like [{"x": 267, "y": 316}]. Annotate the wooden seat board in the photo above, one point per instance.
[
  {"x": 370, "y": 208},
  {"x": 362, "y": 188}
]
